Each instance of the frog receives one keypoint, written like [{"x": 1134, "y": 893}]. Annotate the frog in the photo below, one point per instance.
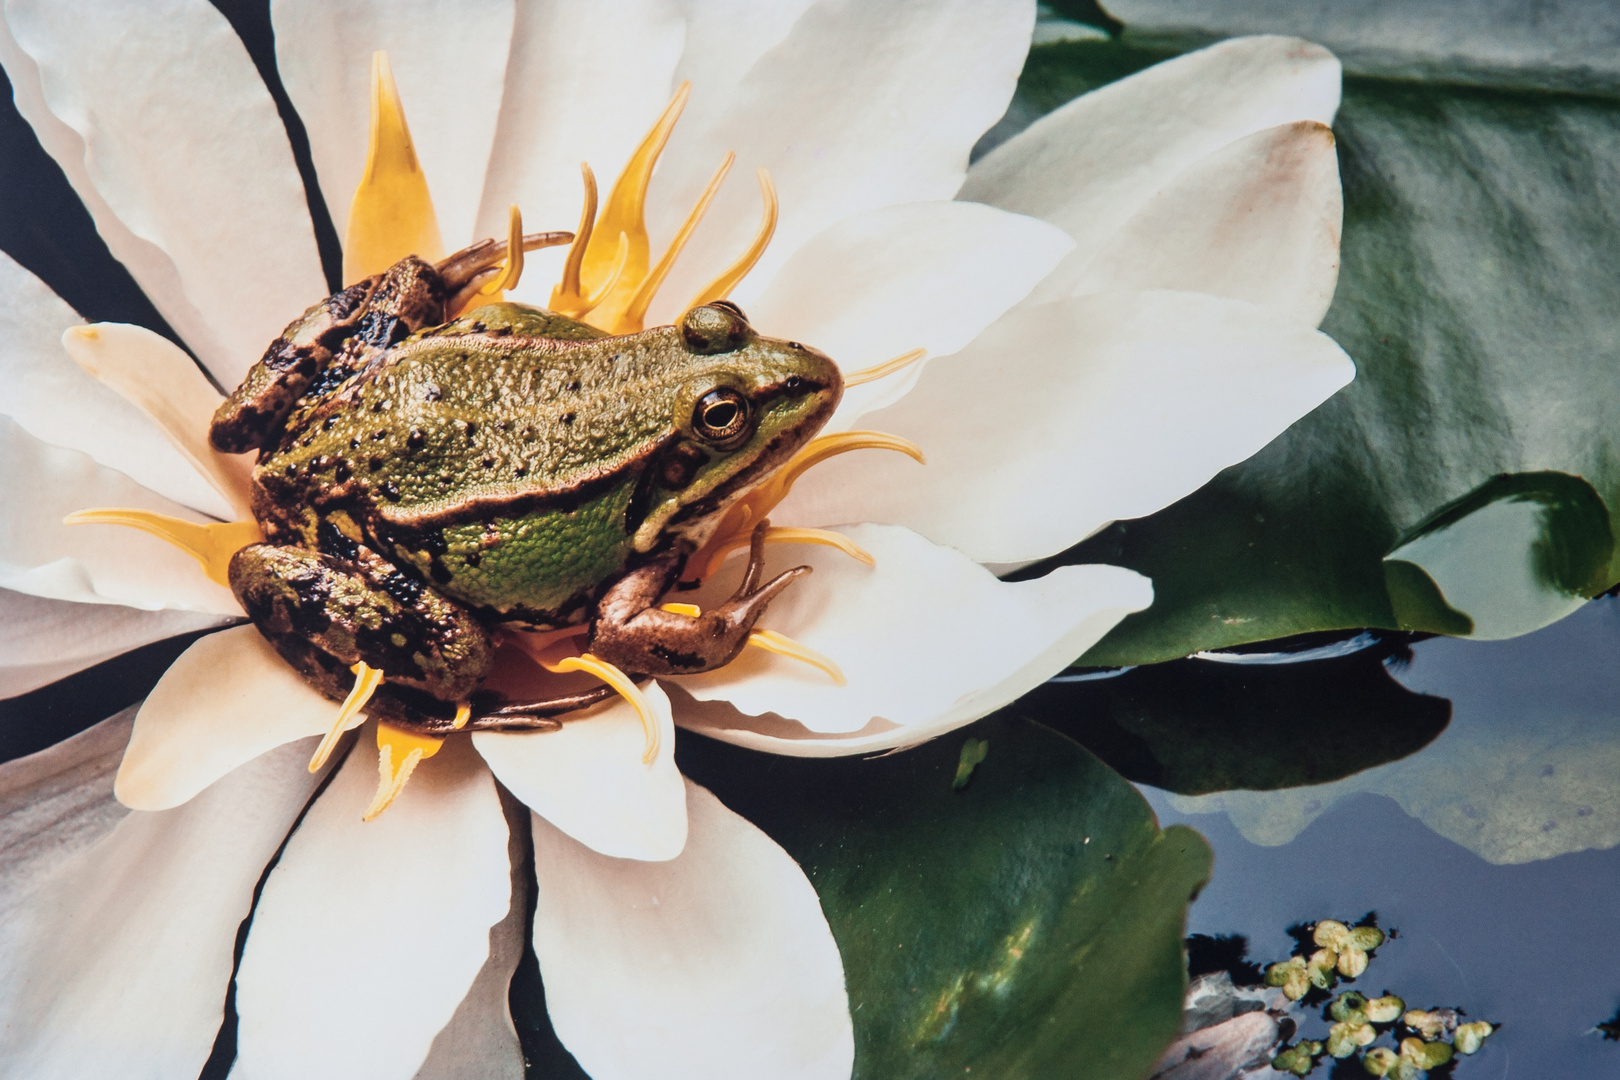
[{"x": 427, "y": 481}]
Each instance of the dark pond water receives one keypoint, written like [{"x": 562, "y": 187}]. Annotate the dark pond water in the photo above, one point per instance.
[{"x": 1528, "y": 770}]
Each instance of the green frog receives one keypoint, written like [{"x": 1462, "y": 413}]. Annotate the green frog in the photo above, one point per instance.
[{"x": 423, "y": 483}]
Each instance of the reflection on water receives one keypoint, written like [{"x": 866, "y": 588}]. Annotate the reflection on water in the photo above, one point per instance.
[
  {"x": 1500, "y": 878},
  {"x": 1528, "y": 767}
]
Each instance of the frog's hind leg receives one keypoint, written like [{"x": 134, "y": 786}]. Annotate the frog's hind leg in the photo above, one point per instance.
[
  {"x": 633, "y": 633},
  {"x": 328, "y": 615}
]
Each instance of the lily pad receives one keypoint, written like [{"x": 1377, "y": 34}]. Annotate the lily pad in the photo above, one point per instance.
[
  {"x": 1198, "y": 726},
  {"x": 1028, "y": 924},
  {"x": 1477, "y": 295}
]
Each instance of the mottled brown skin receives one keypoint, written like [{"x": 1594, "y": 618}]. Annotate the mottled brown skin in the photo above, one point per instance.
[{"x": 420, "y": 484}]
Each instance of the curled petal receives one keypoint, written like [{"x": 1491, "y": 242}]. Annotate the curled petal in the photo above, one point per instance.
[
  {"x": 927, "y": 639},
  {"x": 225, "y": 701},
  {"x": 58, "y": 402},
  {"x": 1091, "y": 165}
]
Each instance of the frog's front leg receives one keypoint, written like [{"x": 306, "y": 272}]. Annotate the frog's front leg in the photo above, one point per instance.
[
  {"x": 633, "y": 633},
  {"x": 326, "y": 614}
]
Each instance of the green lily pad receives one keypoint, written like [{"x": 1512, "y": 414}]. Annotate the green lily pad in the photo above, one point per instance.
[
  {"x": 1477, "y": 293},
  {"x": 1028, "y": 924},
  {"x": 1195, "y": 726}
]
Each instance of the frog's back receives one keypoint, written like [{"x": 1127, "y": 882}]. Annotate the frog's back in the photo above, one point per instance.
[{"x": 499, "y": 456}]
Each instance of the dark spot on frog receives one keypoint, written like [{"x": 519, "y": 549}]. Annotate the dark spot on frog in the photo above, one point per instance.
[
  {"x": 329, "y": 423},
  {"x": 379, "y": 435},
  {"x": 569, "y": 418},
  {"x": 573, "y": 387},
  {"x": 472, "y": 429},
  {"x": 528, "y": 434},
  {"x": 488, "y": 463},
  {"x": 677, "y": 659},
  {"x": 416, "y": 439},
  {"x": 374, "y": 463},
  {"x": 473, "y": 558},
  {"x": 334, "y": 543},
  {"x": 341, "y": 472},
  {"x": 407, "y": 590},
  {"x": 354, "y": 444},
  {"x": 390, "y": 490}
]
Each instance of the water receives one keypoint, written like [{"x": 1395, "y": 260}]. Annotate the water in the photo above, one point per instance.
[{"x": 1511, "y": 914}]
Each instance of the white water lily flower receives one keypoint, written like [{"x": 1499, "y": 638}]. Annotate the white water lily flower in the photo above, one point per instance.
[{"x": 1119, "y": 302}]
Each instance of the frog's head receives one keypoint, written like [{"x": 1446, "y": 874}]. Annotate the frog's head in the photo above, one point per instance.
[{"x": 745, "y": 404}]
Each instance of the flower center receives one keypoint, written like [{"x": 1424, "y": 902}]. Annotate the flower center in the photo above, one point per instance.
[{"x": 608, "y": 281}]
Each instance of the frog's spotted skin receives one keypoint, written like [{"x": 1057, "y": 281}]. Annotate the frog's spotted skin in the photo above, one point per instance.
[{"x": 513, "y": 464}]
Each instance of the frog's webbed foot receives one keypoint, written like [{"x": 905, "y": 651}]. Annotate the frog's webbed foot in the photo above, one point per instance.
[{"x": 633, "y": 633}]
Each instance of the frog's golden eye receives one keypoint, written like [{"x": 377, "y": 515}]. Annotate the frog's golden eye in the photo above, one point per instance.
[
  {"x": 721, "y": 417},
  {"x": 715, "y": 328}
]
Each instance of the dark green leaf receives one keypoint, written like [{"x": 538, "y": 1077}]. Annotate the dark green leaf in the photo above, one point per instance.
[{"x": 1028, "y": 925}]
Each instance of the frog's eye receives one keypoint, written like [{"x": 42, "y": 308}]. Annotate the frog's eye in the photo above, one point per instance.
[
  {"x": 721, "y": 417},
  {"x": 714, "y": 328}
]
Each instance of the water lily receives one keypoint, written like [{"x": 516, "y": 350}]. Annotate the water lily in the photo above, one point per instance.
[{"x": 1116, "y": 304}]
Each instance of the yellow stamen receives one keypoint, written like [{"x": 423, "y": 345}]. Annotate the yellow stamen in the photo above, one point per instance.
[
  {"x": 635, "y": 312},
  {"x": 785, "y": 535},
  {"x": 691, "y": 611},
  {"x": 366, "y": 681},
  {"x": 721, "y": 287},
  {"x": 782, "y": 645},
  {"x": 211, "y": 545},
  {"x": 514, "y": 256},
  {"x": 625, "y": 213},
  {"x": 568, "y": 297},
  {"x": 399, "y": 752},
  {"x": 463, "y": 714},
  {"x": 626, "y": 688},
  {"x": 888, "y": 367},
  {"x": 757, "y": 504},
  {"x": 392, "y": 213}
]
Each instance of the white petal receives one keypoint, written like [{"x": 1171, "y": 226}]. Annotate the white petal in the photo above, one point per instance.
[
  {"x": 1063, "y": 417},
  {"x": 860, "y": 106},
  {"x": 369, "y": 934},
  {"x": 927, "y": 639},
  {"x": 1089, "y": 166},
  {"x": 449, "y": 61},
  {"x": 156, "y": 376},
  {"x": 1257, "y": 220},
  {"x": 97, "y": 564},
  {"x": 724, "y": 39},
  {"x": 57, "y": 401},
  {"x": 225, "y": 701},
  {"x": 584, "y": 83},
  {"x": 56, "y": 803},
  {"x": 919, "y": 275},
  {"x": 118, "y": 966},
  {"x": 589, "y": 781},
  {"x": 164, "y": 128},
  {"x": 717, "y": 964},
  {"x": 480, "y": 1041},
  {"x": 45, "y": 640}
]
